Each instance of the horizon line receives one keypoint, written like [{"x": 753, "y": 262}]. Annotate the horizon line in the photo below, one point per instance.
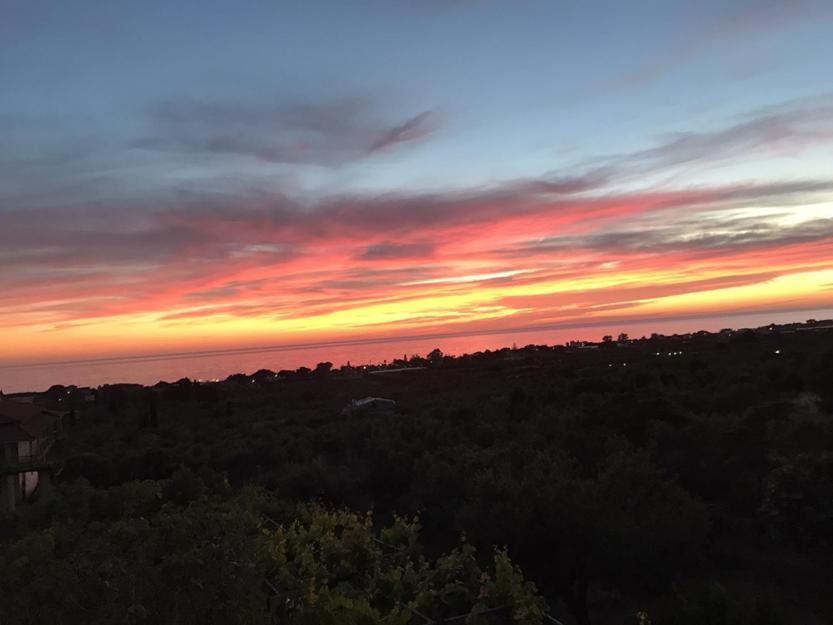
[{"x": 378, "y": 340}]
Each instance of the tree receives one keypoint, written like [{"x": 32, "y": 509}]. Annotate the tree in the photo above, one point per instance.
[
  {"x": 624, "y": 524},
  {"x": 819, "y": 375},
  {"x": 226, "y": 562},
  {"x": 797, "y": 498},
  {"x": 435, "y": 357},
  {"x": 200, "y": 564},
  {"x": 330, "y": 567},
  {"x": 323, "y": 368}
]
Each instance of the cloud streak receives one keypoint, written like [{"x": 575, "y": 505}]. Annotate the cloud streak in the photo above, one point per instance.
[
  {"x": 279, "y": 256},
  {"x": 317, "y": 133},
  {"x": 784, "y": 132}
]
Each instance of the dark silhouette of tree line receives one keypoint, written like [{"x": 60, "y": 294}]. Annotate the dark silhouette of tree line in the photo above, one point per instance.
[{"x": 674, "y": 480}]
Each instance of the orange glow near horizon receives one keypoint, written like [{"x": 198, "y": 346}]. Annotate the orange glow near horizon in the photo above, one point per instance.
[{"x": 588, "y": 260}]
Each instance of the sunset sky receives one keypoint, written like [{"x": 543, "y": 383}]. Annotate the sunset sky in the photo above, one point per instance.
[{"x": 207, "y": 175}]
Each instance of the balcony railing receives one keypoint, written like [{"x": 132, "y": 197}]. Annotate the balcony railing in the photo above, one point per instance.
[{"x": 29, "y": 462}]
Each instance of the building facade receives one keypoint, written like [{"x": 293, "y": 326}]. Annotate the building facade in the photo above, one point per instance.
[{"x": 27, "y": 435}]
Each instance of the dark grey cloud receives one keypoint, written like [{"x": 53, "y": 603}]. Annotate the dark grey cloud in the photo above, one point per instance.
[
  {"x": 370, "y": 215},
  {"x": 784, "y": 132},
  {"x": 320, "y": 133},
  {"x": 388, "y": 250},
  {"x": 692, "y": 236},
  {"x": 412, "y": 129},
  {"x": 404, "y": 215}
]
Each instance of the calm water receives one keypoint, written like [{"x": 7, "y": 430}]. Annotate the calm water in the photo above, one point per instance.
[{"x": 151, "y": 370}]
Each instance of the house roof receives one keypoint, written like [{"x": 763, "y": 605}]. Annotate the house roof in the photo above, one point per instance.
[
  {"x": 23, "y": 422},
  {"x": 380, "y": 403},
  {"x": 372, "y": 400}
]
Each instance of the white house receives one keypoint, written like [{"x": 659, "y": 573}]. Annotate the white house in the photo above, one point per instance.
[{"x": 370, "y": 404}]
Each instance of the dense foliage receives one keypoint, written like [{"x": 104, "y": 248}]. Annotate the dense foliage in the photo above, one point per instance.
[
  {"x": 229, "y": 561},
  {"x": 671, "y": 480}
]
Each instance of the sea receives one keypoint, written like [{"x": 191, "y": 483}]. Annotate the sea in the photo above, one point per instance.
[{"x": 35, "y": 377}]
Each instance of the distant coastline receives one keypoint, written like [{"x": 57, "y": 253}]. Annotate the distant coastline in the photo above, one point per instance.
[{"x": 219, "y": 364}]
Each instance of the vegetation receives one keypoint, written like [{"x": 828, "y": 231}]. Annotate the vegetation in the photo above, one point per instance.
[
  {"x": 671, "y": 480},
  {"x": 222, "y": 562}
]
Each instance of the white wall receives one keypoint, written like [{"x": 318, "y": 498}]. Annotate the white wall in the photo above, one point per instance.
[{"x": 28, "y": 483}]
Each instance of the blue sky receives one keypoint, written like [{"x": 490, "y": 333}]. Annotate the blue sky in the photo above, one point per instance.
[
  {"x": 516, "y": 88},
  {"x": 150, "y": 141}
]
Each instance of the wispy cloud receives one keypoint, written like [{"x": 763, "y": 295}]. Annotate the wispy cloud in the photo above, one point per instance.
[
  {"x": 412, "y": 129},
  {"x": 320, "y": 133},
  {"x": 703, "y": 235},
  {"x": 782, "y": 132},
  {"x": 475, "y": 277},
  {"x": 389, "y": 250}
]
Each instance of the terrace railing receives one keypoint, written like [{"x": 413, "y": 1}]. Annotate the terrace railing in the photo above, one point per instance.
[{"x": 30, "y": 462}]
